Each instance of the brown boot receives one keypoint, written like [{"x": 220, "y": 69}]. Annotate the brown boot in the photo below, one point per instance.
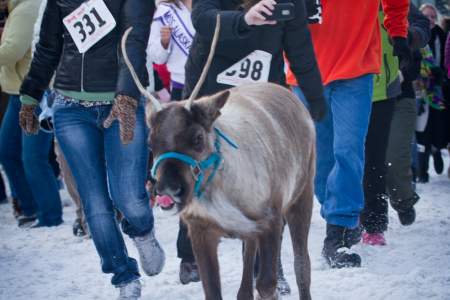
[{"x": 17, "y": 212}]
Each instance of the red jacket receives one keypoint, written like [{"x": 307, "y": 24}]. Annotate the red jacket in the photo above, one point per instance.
[{"x": 348, "y": 42}]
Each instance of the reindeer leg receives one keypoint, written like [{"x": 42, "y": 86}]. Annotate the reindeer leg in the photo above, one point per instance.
[
  {"x": 269, "y": 244},
  {"x": 204, "y": 243},
  {"x": 298, "y": 218},
  {"x": 246, "y": 289}
]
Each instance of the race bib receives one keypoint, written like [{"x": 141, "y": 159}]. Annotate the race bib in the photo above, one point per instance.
[
  {"x": 253, "y": 68},
  {"x": 89, "y": 23}
]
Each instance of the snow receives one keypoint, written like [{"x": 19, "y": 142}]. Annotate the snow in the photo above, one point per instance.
[{"x": 50, "y": 263}]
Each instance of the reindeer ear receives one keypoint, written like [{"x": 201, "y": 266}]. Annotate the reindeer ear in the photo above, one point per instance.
[{"x": 206, "y": 110}]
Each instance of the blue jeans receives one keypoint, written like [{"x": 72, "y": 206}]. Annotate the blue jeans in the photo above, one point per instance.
[
  {"x": 108, "y": 175},
  {"x": 25, "y": 159},
  {"x": 340, "y": 149}
]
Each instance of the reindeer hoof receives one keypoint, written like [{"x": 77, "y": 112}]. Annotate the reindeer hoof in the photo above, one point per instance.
[{"x": 275, "y": 296}]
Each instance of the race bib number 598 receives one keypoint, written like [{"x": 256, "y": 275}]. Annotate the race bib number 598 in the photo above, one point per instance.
[
  {"x": 89, "y": 23},
  {"x": 255, "y": 67}
]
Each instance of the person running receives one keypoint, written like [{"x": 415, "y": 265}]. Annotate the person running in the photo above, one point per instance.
[
  {"x": 348, "y": 50},
  {"x": 93, "y": 88}
]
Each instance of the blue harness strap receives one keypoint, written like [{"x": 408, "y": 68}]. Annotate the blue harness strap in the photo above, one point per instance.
[{"x": 198, "y": 168}]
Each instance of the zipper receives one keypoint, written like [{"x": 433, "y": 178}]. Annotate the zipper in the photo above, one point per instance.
[{"x": 82, "y": 72}]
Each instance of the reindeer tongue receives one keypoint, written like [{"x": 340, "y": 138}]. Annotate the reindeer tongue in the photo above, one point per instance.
[{"x": 164, "y": 201}]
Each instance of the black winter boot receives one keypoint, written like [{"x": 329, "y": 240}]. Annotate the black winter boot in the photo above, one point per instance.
[
  {"x": 405, "y": 209},
  {"x": 338, "y": 241},
  {"x": 437, "y": 161}
]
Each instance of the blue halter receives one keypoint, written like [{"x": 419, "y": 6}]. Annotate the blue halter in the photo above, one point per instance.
[{"x": 198, "y": 168}]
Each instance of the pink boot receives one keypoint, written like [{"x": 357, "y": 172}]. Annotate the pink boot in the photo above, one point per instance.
[{"x": 373, "y": 239}]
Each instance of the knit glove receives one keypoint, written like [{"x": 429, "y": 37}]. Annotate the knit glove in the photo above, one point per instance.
[
  {"x": 402, "y": 51},
  {"x": 28, "y": 120},
  {"x": 123, "y": 110}
]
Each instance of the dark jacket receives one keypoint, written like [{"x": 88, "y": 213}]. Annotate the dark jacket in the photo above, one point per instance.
[
  {"x": 101, "y": 68},
  {"x": 418, "y": 35},
  {"x": 237, "y": 40}
]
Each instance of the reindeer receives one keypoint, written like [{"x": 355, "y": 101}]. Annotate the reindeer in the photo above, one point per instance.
[{"x": 236, "y": 164}]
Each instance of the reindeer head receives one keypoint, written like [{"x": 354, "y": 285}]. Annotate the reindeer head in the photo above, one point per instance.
[
  {"x": 186, "y": 137},
  {"x": 183, "y": 129}
]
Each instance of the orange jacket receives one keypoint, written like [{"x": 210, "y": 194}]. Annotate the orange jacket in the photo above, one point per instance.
[{"x": 348, "y": 42}]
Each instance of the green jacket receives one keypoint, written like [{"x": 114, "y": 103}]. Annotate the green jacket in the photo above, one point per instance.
[
  {"x": 15, "y": 46},
  {"x": 387, "y": 83}
]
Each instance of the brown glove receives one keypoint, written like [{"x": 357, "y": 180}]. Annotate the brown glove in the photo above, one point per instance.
[
  {"x": 28, "y": 120},
  {"x": 124, "y": 110}
]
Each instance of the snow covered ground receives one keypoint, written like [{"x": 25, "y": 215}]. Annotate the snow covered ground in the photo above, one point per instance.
[{"x": 52, "y": 264}]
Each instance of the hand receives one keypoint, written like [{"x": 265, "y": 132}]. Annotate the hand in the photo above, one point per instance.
[
  {"x": 165, "y": 36},
  {"x": 124, "y": 110},
  {"x": 402, "y": 51},
  {"x": 318, "y": 109},
  {"x": 28, "y": 120},
  {"x": 254, "y": 15},
  {"x": 163, "y": 95}
]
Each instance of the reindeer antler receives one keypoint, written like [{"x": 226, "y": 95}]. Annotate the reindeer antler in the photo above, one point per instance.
[
  {"x": 207, "y": 65},
  {"x": 156, "y": 105}
]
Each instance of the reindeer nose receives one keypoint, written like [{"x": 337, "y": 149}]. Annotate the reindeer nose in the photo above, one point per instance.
[{"x": 168, "y": 190}]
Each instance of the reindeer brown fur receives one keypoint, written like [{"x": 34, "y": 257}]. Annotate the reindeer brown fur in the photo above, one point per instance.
[{"x": 268, "y": 179}]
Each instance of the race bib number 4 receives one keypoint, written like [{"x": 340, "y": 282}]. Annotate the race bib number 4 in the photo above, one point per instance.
[
  {"x": 255, "y": 67},
  {"x": 89, "y": 23}
]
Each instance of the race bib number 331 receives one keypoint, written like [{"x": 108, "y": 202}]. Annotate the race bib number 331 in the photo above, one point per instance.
[{"x": 89, "y": 23}]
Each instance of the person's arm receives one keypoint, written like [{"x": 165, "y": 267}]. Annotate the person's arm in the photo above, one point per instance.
[
  {"x": 395, "y": 20},
  {"x": 155, "y": 51},
  {"x": 17, "y": 39},
  {"x": 138, "y": 14},
  {"x": 419, "y": 32},
  {"x": 47, "y": 54},
  {"x": 204, "y": 14},
  {"x": 300, "y": 54}
]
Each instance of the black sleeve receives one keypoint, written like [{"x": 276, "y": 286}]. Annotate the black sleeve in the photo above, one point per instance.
[
  {"x": 47, "y": 54},
  {"x": 300, "y": 54},
  {"x": 419, "y": 28},
  {"x": 232, "y": 24},
  {"x": 138, "y": 14}
]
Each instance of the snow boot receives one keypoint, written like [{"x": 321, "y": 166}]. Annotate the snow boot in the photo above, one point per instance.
[
  {"x": 130, "y": 290},
  {"x": 188, "y": 272},
  {"x": 422, "y": 167},
  {"x": 373, "y": 239},
  {"x": 26, "y": 221},
  {"x": 336, "y": 246},
  {"x": 283, "y": 287},
  {"x": 151, "y": 254},
  {"x": 407, "y": 216},
  {"x": 438, "y": 162}
]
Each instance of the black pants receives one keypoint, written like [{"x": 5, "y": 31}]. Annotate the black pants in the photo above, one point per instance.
[
  {"x": 2, "y": 189},
  {"x": 175, "y": 94},
  {"x": 184, "y": 247},
  {"x": 374, "y": 217}
]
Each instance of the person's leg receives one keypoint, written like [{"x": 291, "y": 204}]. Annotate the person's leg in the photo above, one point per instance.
[
  {"x": 184, "y": 247},
  {"x": 399, "y": 157},
  {"x": 127, "y": 173},
  {"x": 176, "y": 93},
  {"x": 374, "y": 217},
  {"x": 3, "y": 198},
  {"x": 80, "y": 136},
  {"x": 351, "y": 102},
  {"x": 324, "y": 136},
  {"x": 41, "y": 177},
  {"x": 80, "y": 225},
  {"x": 11, "y": 159}
]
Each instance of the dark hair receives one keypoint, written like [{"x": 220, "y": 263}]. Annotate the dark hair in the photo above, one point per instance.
[{"x": 445, "y": 24}]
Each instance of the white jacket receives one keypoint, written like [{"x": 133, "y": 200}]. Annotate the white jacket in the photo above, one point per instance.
[{"x": 174, "y": 56}]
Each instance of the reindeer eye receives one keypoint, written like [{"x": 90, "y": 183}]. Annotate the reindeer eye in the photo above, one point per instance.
[{"x": 198, "y": 142}]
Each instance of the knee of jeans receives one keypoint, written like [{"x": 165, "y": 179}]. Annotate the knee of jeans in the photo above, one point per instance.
[{"x": 134, "y": 207}]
